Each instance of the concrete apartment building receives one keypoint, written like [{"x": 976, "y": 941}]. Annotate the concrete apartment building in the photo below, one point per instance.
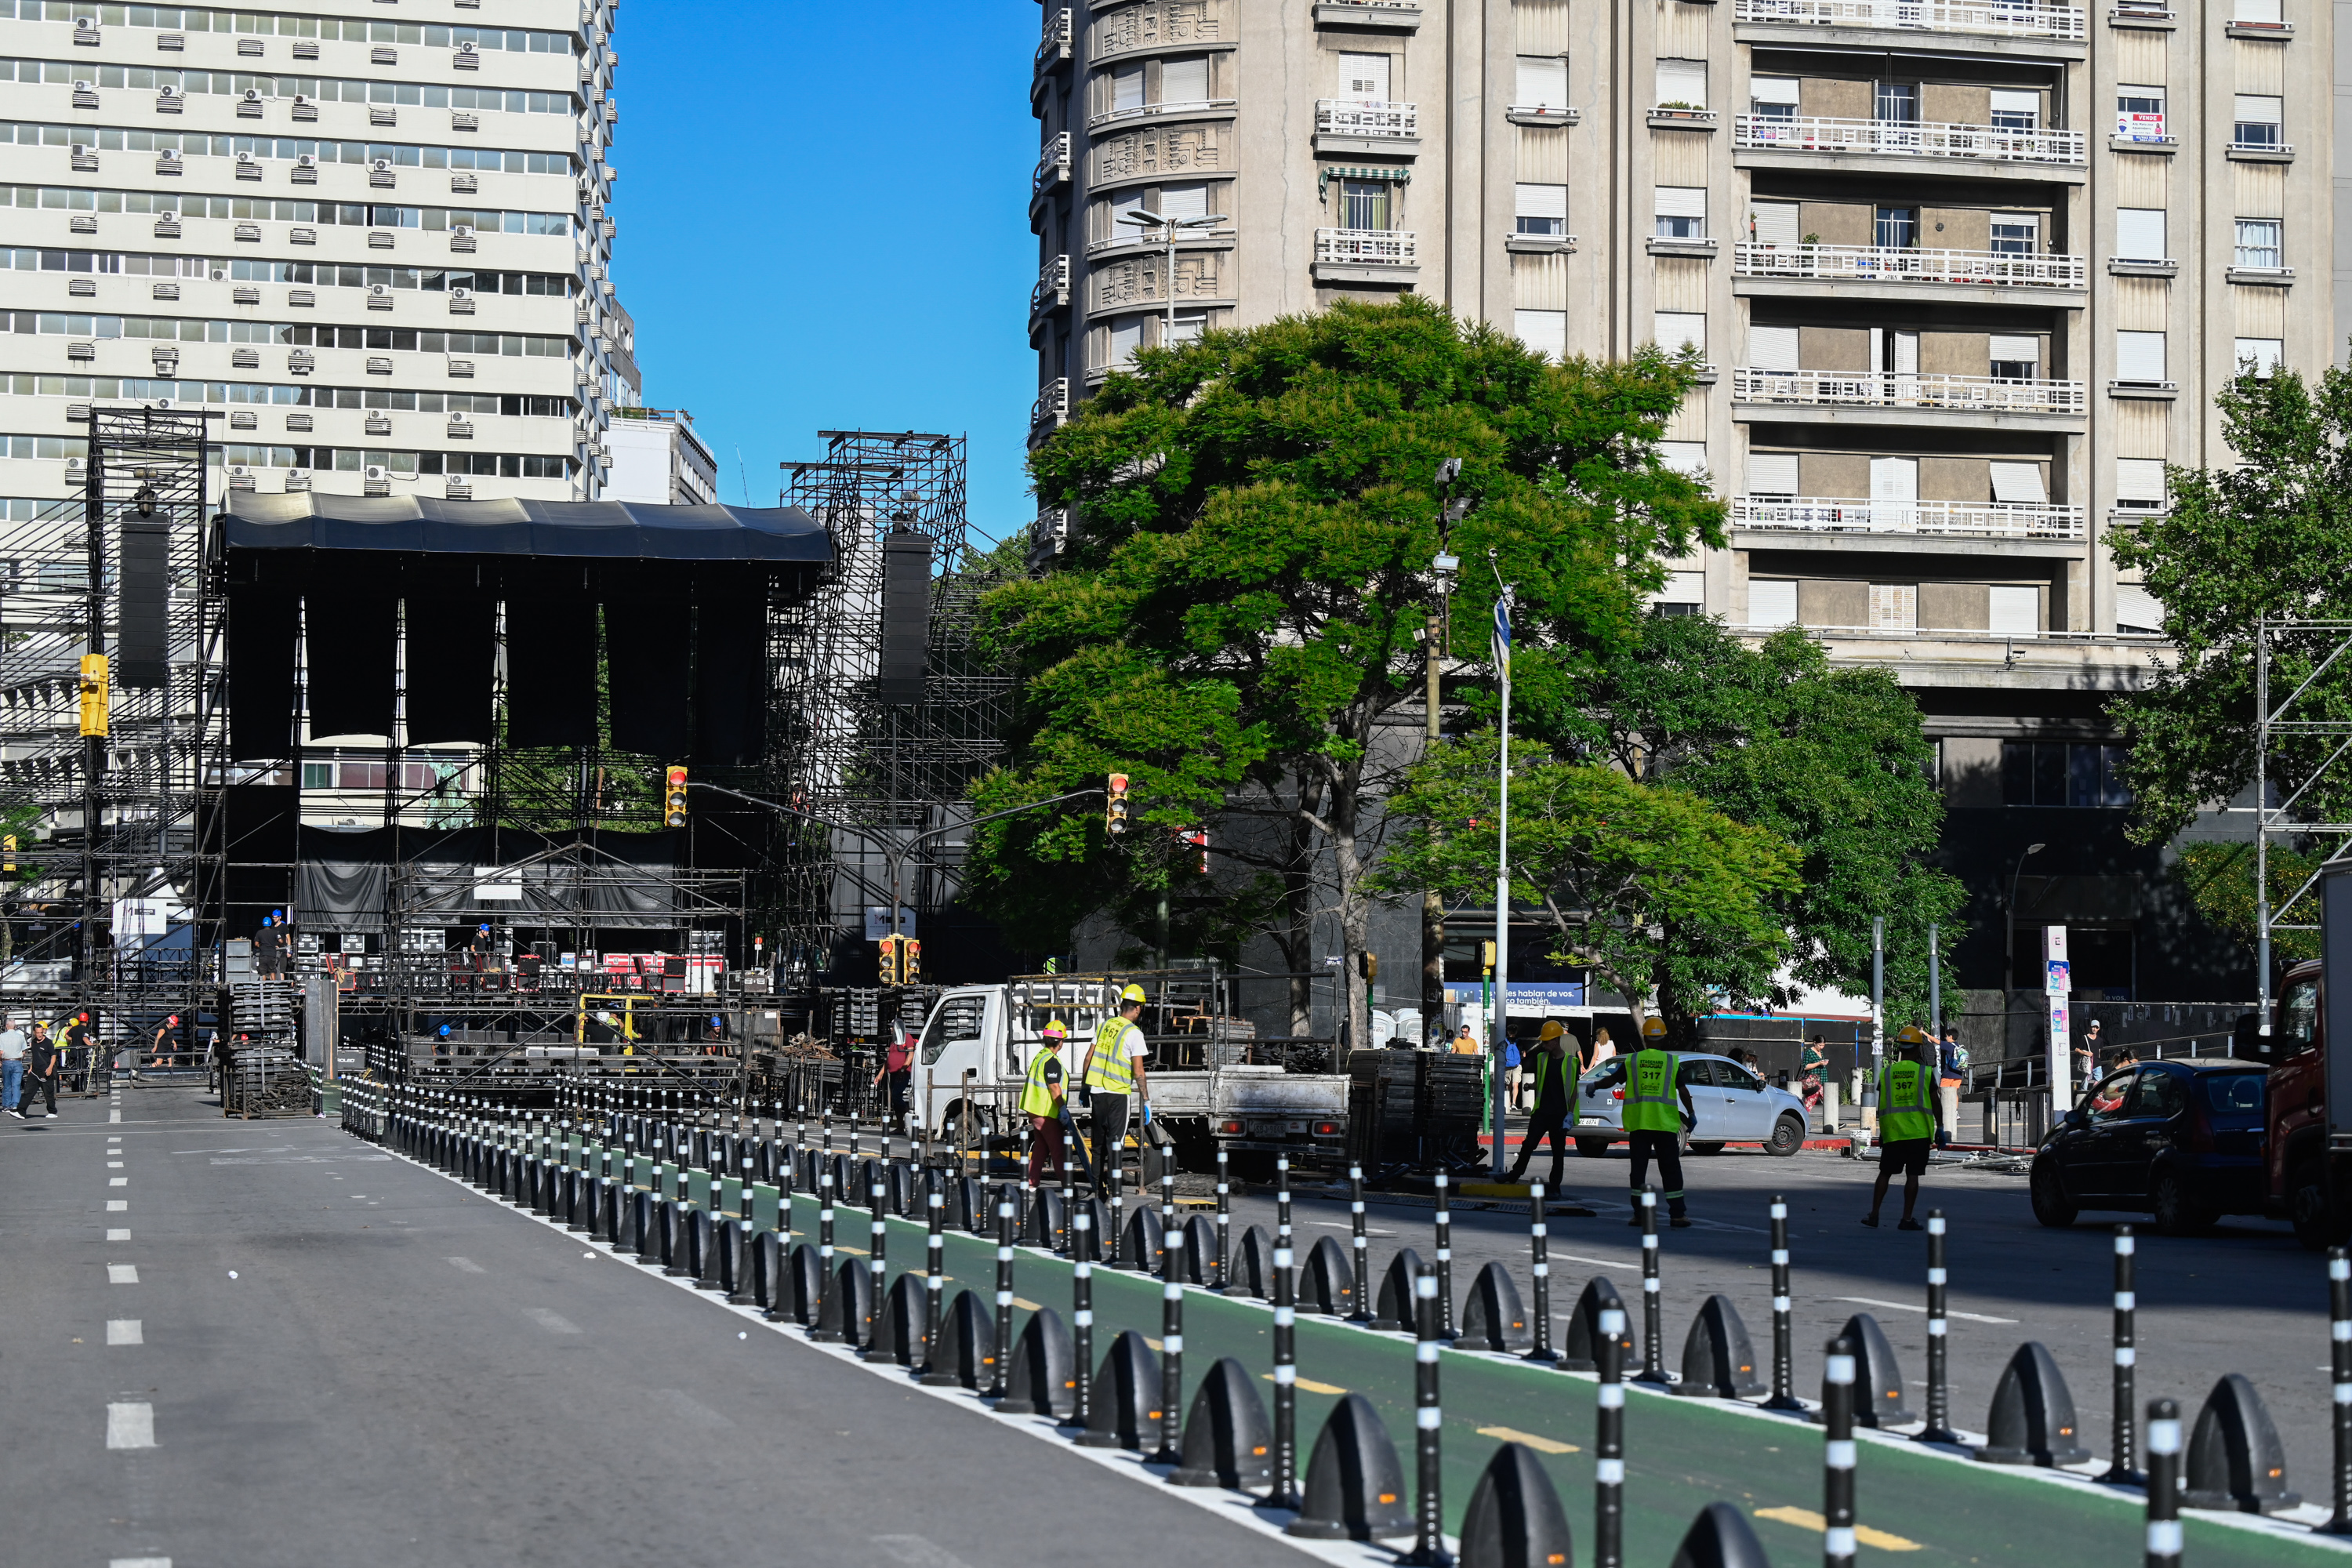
[
  {"x": 658, "y": 457},
  {"x": 374, "y": 236},
  {"x": 1964, "y": 274}
]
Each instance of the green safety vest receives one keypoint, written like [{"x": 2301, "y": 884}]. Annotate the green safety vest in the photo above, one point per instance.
[
  {"x": 1547, "y": 1068},
  {"x": 1108, "y": 1070},
  {"x": 1649, "y": 1098},
  {"x": 1906, "y": 1110},
  {"x": 1036, "y": 1096}
]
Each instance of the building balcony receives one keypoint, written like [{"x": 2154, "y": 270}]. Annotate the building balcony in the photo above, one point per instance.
[
  {"x": 1054, "y": 46},
  {"x": 1996, "y": 398},
  {"x": 2028, "y": 19},
  {"x": 1052, "y": 289},
  {"x": 1367, "y": 256},
  {"x": 1899, "y": 265},
  {"x": 1052, "y": 168},
  {"x": 1901, "y": 139},
  {"x": 1222, "y": 107},
  {"x": 1346, "y": 125},
  {"x": 1401, "y": 16},
  {"x": 1051, "y": 407},
  {"x": 1933, "y": 519}
]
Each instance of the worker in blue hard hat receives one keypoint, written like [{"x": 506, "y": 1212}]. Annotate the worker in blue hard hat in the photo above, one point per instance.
[{"x": 1116, "y": 1081}]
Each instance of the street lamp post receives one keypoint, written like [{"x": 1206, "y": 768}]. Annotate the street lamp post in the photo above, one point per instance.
[
  {"x": 1144, "y": 218},
  {"x": 2009, "y": 981},
  {"x": 1502, "y": 862},
  {"x": 1441, "y": 572}
]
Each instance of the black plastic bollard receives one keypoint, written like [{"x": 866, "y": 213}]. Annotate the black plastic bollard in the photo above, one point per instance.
[
  {"x": 2032, "y": 1418},
  {"x": 1004, "y": 1221},
  {"x": 825, "y": 1326},
  {"x": 964, "y": 1349},
  {"x": 1784, "y": 1393},
  {"x": 1539, "y": 1271},
  {"x": 1227, "y": 1442},
  {"x": 1838, "y": 1453},
  {"x": 1329, "y": 1287},
  {"x": 849, "y": 1308},
  {"x": 1041, "y": 1375},
  {"x": 804, "y": 1288},
  {"x": 736, "y": 1264},
  {"x": 1720, "y": 1537},
  {"x": 2123, "y": 1469},
  {"x": 2163, "y": 1484},
  {"x": 1939, "y": 1428},
  {"x": 1492, "y": 1318},
  {"x": 2236, "y": 1462},
  {"x": 1396, "y": 1308},
  {"x": 1442, "y": 1224},
  {"x": 1081, "y": 1311},
  {"x": 1355, "y": 1487},
  {"x": 1284, "y": 1491},
  {"x": 1428, "y": 1422},
  {"x": 1049, "y": 1222},
  {"x": 1514, "y": 1520},
  {"x": 935, "y": 1278},
  {"x": 1224, "y": 1281},
  {"x": 1140, "y": 1244},
  {"x": 770, "y": 1284},
  {"x": 879, "y": 1246},
  {"x": 644, "y": 1226},
  {"x": 1124, "y": 1412},
  {"x": 901, "y": 1329},
  {"x": 1171, "y": 1333},
  {"x": 1586, "y": 1334},
  {"x": 1878, "y": 1400},
  {"x": 1253, "y": 1265},
  {"x": 1357, "y": 1242},
  {"x": 2339, "y": 1357},
  {"x": 1609, "y": 1435},
  {"x": 1653, "y": 1328},
  {"x": 1201, "y": 1240},
  {"x": 1719, "y": 1359}
]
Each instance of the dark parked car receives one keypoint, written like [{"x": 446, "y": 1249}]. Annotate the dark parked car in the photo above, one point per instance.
[{"x": 2178, "y": 1140}]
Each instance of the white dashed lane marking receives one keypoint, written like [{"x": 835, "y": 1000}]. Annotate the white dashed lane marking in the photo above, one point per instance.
[
  {"x": 139, "y": 1563},
  {"x": 117, "y": 1206},
  {"x": 554, "y": 1323},
  {"x": 118, "y": 1234},
  {"x": 466, "y": 1266},
  {"x": 125, "y": 1331},
  {"x": 118, "y": 1181},
  {"x": 122, "y": 1274},
  {"x": 130, "y": 1425}
]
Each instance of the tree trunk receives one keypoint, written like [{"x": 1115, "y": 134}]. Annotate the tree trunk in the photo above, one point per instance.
[{"x": 1354, "y": 917}]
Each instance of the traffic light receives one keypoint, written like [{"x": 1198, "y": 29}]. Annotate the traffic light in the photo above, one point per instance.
[
  {"x": 1369, "y": 965},
  {"x": 673, "y": 800},
  {"x": 1487, "y": 956},
  {"x": 1199, "y": 838},
  {"x": 9, "y": 854},
  {"x": 889, "y": 954},
  {"x": 93, "y": 694},
  {"x": 1115, "y": 810},
  {"x": 910, "y": 963}
]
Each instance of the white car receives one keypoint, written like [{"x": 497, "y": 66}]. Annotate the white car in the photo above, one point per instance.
[{"x": 1734, "y": 1106}]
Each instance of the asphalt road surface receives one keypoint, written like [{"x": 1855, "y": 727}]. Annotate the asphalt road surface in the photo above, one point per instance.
[
  {"x": 231, "y": 1344},
  {"x": 2245, "y": 1299}
]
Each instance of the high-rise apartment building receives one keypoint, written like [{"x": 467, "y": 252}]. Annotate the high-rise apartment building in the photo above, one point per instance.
[
  {"x": 1965, "y": 273},
  {"x": 372, "y": 233}
]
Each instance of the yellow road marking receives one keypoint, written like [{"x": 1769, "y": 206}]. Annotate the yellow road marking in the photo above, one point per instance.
[
  {"x": 1309, "y": 1384},
  {"x": 1025, "y": 1306},
  {"x": 1540, "y": 1445},
  {"x": 1806, "y": 1518}
]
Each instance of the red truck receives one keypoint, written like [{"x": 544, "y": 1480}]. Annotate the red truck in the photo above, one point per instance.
[{"x": 2308, "y": 1168}]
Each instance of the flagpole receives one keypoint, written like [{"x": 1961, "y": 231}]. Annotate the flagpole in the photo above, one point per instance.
[{"x": 1502, "y": 884}]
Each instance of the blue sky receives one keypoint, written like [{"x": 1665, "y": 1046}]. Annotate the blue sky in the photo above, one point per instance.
[{"x": 823, "y": 216}]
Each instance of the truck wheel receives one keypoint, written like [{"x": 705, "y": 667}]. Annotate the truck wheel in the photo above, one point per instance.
[
  {"x": 2317, "y": 1224},
  {"x": 2050, "y": 1205},
  {"x": 1592, "y": 1148},
  {"x": 1788, "y": 1137},
  {"x": 2176, "y": 1214}
]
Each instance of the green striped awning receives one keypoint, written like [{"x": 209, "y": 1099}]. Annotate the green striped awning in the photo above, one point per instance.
[{"x": 1325, "y": 176}]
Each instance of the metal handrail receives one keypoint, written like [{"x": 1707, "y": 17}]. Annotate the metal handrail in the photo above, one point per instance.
[
  {"x": 1910, "y": 389},
  {"x": 1898, "y": 138},
  {"x": 1992, "y": 520},
  {"x": 1901, "y": 264}
]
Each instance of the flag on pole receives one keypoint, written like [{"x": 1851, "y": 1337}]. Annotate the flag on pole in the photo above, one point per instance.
[{"x": 1503, "y": 635}]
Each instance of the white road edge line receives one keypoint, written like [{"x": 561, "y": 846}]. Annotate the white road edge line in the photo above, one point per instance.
[{"x": 1914, "y": 1306}]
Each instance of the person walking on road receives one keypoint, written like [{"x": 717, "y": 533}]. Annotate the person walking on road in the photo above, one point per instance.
[
  {"x": 1603, "y": 1047},
  {"x": 1907, "y": 1122},
  {"x": 11, "y": 1064},
  {"x": 1550, "y": 1118},
  {"x": 1951, "y": 1074},
  {"x": 1654, "y": 1122},
  {"x": 1514, "y": 1071},
  {"x": 1043, "y": 1092},
  {"x": 1115, "y": 1080},
  {"x": 896, "y": 1071},
  {"x": 40, "y": 1075}
]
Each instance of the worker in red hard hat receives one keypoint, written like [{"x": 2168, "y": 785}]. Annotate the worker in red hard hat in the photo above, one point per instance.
[{"x": 1042, "y": 1089}]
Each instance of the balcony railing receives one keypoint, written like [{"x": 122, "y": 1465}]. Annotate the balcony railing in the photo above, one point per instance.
[
  {"x": 2022, "y": 20},
  {"x": 1900, "y": 139},
  {"x": 1347, "y": 117},
  {"x": 1368, "y": 246},
  {"x": 1890, "y": 264},
  {"x": 1052, "y": 163},
  {"x": 1153, "y": 111},
  {"x": 1978, "y": 520},
  {"x": 1053, "y": 405},
  {"x": 1909, "y": 389},
  {"x": 1053, "y": 286},
  {"x": 1054, "y": 46}
]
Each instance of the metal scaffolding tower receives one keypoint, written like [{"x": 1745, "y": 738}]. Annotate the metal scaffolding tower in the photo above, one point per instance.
[
  {"x": 852, "y": 743},
  {"x": 2302, "y": 743}
]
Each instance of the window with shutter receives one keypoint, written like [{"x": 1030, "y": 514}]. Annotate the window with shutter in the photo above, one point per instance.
[
  {"x": 1127, "y": 87},
  {"x": 2016, "y": 110},
  {"x": 2260, "y": 356},
  {"x": 1772, "y": 602},
  {"x": 1776, "y": 223},
  {"x": 1542, "y": 82},
  {"x": 1364, "y": 77},
  {"x": 1894, "y": 606},
  {"x": 1678, "y": 329},
  {"x": 2140, "y": 357},
  {"x": 1894, "y": 478},
  {"x": 1545, "y": 331},
  {"x": 1681, "y": 212},
  {"x": 2018, "y": 484},
  {"x": 2139, "y": 481},
  {"x": 1683, "y": 456},
  {"x": 2140, "y": 233},
  {"x": 1541, "y": 209},
  {"x": 2257, "y": 121},
  {"x": 2014, "y": 608},
  {"x": 1773, "y": 348},
  {"x": 2015, "y": 357},
  {"x": 1772, "y": 474},
  {"x": 1682, "y": 83},
  {"x": 1185, "y": 80}
]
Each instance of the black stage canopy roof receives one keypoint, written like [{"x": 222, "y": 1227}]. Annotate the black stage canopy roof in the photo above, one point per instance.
[{"x": 574, "y": 529}]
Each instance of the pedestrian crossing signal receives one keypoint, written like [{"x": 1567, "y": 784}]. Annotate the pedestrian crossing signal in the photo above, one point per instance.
[
  {"x": 1115, "y": 810},
  {"x": 94, "y": 694},
  {"x": 673, "y": 800}
]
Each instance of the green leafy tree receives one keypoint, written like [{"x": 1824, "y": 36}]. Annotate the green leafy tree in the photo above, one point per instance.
[
  {"x": 2269, "y": 539},
  {"x": 1833, "y": 761},
  {"x": 1648, "y": 885},
  {"x": 2221, "y": 882},
  {"x": 1245, "y": 602}
]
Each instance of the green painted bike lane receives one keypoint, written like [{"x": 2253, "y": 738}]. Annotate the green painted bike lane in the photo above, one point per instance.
[{"x": 1679, "y": 1454}]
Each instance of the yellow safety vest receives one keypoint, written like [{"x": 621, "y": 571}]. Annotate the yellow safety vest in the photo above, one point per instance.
[
  {"x": 1036, "y": 1095},
  {"x": 1905, "y": 1109},
  {"x": 1108, "y": 1070},
  {"x": 1650, "y": 1100}
]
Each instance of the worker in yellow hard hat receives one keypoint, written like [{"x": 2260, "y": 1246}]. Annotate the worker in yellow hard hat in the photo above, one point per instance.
[
  {"x": 1116, "y": 1081},
  {"x": 1042, "y": 1090},
  {"x": 1658, "y": 1110},
  {"x": 1553, "y": 1070},
  {"x": 1907, "y": 1118}
]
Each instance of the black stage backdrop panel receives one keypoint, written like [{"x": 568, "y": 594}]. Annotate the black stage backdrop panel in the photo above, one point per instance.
[
  {"x": 452, "y": 645},
  {"x": 258, "y": 831},
  {"x": 645, "y": 644},
  {"x": 350, "y": 628},
  {"x": 550, "y": 666},
  {"x": 730, "y": 664},
  {"x": 262, "y": 623}
]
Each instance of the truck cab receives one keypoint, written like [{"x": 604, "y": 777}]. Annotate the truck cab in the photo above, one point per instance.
[{"x": 2309, "y": 1184}]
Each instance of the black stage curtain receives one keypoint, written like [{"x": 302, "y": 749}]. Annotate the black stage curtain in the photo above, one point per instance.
[
  {"x": 730, "y": 662},
  {"x": 262, "y": 623},
  {"x": 452, "y": 648},
  {"x": 551, "y": 667},
  {"x": 646, "y": 645},
  {"x": 351, "y": 628}
]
